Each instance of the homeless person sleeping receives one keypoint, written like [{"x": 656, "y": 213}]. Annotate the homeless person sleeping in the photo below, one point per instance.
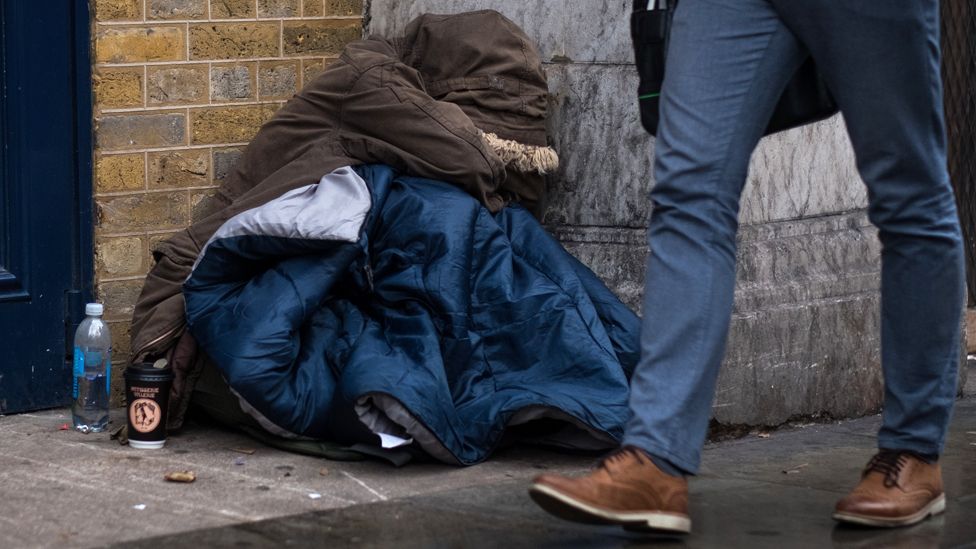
[{"x": 370, "y": 276}]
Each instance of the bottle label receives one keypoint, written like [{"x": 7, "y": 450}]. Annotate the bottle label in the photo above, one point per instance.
[{"x": 79, "y": 369}]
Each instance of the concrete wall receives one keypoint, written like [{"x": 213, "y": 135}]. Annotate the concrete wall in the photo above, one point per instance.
[{"x": 804, "y": 338}]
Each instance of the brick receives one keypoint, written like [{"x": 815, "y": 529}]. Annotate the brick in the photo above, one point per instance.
[
  {"x": 321, "y": 37},
  {"x": 279, "y": 8},
  {"x": 232, "y": 82},
  {"x": 233, "y": 40},
  {"x": 179, "y": 169},
  {"x": 120, "y": 256},
  {"x": 118, "y": 10},
  {"x": 224, "y": 161},
  {"x": 311, "y": 68},
  {"x": 120, "y": 357},
  {"x": 277, "y": 80},
  {"x": 124, "y": 172},
  {"x": 177, "y": 85},
  {"x": 200, "y": 206},
  {"x": 140, "y": 130},
  {"x": 344, "y": 7},
  {"x": 231, "y": 9},
  {"x": 228, "y": 124},
  {"x": 176, "y": 9},
  {"x": 118, "y": 88},
  {"x": 120, "y": 347},
  {"x": 141, "y": 212},
  {"x": 119, "y": 298},
  {"x": 313, "y": 8},
  {"x": 139, "y": 44}
]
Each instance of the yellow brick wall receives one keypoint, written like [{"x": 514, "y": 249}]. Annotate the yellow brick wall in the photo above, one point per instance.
[{"x": 180, "y": 87}]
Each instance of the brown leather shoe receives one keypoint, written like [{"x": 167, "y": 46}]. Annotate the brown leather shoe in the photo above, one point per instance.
[
  {"x": 627, "y": 489},
  {"x": 896, "y": 489}
]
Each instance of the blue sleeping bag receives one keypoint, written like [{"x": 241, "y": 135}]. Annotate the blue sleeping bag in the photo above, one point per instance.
[{"x": 406, "y": 301}]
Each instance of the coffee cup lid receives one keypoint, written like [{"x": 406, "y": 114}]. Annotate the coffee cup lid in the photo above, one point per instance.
[{"x": 159, "y": 369}]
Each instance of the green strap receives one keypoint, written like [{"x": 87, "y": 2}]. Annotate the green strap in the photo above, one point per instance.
[{"x": 649, "y": 95}]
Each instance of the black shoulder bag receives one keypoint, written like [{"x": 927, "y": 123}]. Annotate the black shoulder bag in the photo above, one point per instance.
[{"x": 806, "y": 98}]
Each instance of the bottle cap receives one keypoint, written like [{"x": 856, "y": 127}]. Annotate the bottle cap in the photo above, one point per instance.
[{"x": 94, "y": 309}]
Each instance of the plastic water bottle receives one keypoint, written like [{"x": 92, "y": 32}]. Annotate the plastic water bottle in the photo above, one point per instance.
[{"x": 92, "y": 365}]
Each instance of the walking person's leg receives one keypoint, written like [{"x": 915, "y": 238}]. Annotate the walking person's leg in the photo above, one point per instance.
[
  {"x": 881, "y": 61},
  {"x": 728, "y": 62}
]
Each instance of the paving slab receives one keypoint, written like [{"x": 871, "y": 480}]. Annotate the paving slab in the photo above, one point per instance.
[
  {"x": 65, "y": 489},
  {"x": 739, "y": 514}
]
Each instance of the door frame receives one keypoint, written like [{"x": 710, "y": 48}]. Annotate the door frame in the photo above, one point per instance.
[
  {"x": 84, "y": 198},
  {"x": 56, "y": 121}
]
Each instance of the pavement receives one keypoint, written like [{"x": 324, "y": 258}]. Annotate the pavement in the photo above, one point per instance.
[{"x": 59, "y": 488}]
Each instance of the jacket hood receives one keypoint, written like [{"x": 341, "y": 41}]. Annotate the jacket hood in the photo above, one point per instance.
[{"x": 485, "y": 64}]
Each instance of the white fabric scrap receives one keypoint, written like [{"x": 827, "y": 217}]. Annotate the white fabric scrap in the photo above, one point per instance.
[{"x": 393, "y": 441}]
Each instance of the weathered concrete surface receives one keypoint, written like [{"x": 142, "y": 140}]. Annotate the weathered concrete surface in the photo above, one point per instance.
[
  {"x": 66, "y": 489},
  {"x": 971, "y": 330},
  {"x": 606, "y": 158},
  {"x": 969, "y": 387},
  {"x": 594, "y": 31},
  {"x": 799, "y": 284},
  {"x": 804, "y": 338},
  {"x": 63, "y": 489}
]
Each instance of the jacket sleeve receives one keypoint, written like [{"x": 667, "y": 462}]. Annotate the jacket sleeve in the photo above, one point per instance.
[{"x": 388, "y": 118}]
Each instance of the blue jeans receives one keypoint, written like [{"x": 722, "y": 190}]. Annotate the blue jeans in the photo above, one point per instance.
[{"x": 728, "y": 63}]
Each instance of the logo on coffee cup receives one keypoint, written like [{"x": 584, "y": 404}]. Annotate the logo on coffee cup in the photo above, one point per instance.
[{"x": 144, "y": 414}]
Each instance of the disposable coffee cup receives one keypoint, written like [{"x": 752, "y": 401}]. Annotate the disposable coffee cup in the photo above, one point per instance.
[{"x": 147, "y": 394}]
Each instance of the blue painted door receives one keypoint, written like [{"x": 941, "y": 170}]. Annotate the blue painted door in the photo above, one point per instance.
[{"x": 45, "y": 196}]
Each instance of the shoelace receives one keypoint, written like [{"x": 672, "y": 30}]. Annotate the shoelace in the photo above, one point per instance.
[
  {"x": 889, "y": 463},
  {"x": 620, "y": 455}
]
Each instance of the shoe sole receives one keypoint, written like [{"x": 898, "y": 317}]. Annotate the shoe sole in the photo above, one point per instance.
[
  {"x": 571, "y": 509},
  {"x": 935, "y": 507}
]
